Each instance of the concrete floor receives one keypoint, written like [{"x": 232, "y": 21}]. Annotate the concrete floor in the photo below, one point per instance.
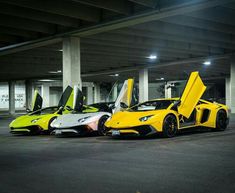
[{"x": 191, "y": 162}]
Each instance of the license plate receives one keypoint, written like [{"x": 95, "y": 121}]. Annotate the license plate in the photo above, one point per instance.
[
  {"x": 58, "y": 132},
  {"x": 115, "y": 132}
]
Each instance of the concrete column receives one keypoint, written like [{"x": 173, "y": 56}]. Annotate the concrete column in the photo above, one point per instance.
[
  {"x": 143, "y": 85},
  {"x": 167, "y": 90},
  {"x": 89, "y": 95},
  {"x": 45, "y": 94},
  {"x": 12, "y": 97},
  {"x": 71, "y": 62},
  {"x": 227, "y": 92},
  {"x": 28, "y": 94},
  {"x": 97, "y": 92},
  {"x": 232, "y": 85},
  {"x": 115, "y": 92}
]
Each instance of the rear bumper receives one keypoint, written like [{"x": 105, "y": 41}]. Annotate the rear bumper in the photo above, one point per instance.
[{"x": 145, "y": 130}]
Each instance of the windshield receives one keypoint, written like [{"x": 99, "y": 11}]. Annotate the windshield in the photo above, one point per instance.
[
  {"x": 48, "y": 110},
  {"x": 152, "y": 105}
]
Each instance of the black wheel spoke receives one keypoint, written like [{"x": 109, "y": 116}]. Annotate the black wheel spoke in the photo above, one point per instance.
[{"x": 170, "y": 126}]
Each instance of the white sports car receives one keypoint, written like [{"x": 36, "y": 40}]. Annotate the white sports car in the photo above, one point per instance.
[
  {"x": 80, "y": 124},
  {"x": 85, "y": 119}
]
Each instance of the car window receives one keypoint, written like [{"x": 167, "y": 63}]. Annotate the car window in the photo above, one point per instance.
[
  {"x": 45, "y": 111},
  {"x": 152, "y": 105}
]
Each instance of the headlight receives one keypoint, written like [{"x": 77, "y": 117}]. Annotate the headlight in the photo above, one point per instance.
[
  {"x": 83, "y": 119},
  {"x": 143, "y": 119},
  {"x": 35, "y": 120}
]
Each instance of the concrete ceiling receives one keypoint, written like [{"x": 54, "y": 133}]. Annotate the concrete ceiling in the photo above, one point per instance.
[{"x": 117, "y": 36}]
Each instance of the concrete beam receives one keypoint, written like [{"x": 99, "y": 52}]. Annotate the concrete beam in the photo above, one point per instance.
[
  {"x": 167, "y": 10},
  {"x": 8, "y": 38},
  {"x": 27, "y": 46},
  {"x": 64, "y": 8},
  {"x": 120, "y": 6},
  {"x": 188, "y": 32},
  {"x": 26, "y": 24},
  {"x": 201, "y": 23},
  {"x": 181, "y": 8},
  {"x": 224, "y": 15},
  {"x": 38, "y": 15},
  {"x": 144, "y": 47},
  {"x": 135, "y": 40},
  {"x": 193, "y": 42},
  {"x": 159, "y": 65},
  {"x": 18, "y": 32},
  {"x": 147, "y": 3}
]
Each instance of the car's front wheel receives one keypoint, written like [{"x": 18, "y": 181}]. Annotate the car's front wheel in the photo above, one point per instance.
[
  {"x": 101, "y": 127},
  {"x": 221, "y": 120},
  {"x": 170, "y": 126}
]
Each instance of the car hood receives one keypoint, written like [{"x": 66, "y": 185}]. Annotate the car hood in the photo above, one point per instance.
[
  {"x": 126, "y": 119},
  {"x": 73, "y": 120},
  {"x": 28, "y": 120}
]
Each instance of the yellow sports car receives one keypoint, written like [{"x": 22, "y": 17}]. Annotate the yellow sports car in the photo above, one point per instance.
[
  {"x": 167, "y": 116},
  {"x": 39, "y": 120}
]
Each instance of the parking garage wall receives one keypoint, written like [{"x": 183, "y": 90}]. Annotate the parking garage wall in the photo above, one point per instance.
[{"x": 20, "y": 101}]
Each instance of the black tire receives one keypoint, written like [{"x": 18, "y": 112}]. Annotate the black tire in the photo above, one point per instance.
[
  {"x": 170, "y": 126},
  {"x": 101, "y": 127},
  {"x": 50, "y": 129},
  {"x": 221, "y": 120}
]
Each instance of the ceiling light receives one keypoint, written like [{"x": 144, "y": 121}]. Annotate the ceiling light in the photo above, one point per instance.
[
  {"x": 114, "y": 75},
  {"x": 159, "y": 78},
  {"x": 55, "y": 72},
  {"x": 152, "y": 57},
  {"x": 46, "y": 80},
  {"x": 207, "y": 63}
]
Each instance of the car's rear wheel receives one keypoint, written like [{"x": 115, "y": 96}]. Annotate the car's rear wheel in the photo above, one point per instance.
[
  {"x": 170, "y": 126},
  {"x": 221, "y": 120},
  {"x": 101, "y": 127}
]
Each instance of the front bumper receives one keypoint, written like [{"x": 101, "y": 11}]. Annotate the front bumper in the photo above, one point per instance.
[
  {"x": 25, "y": 130},
  {"x": 145, "y": 130},
  {"x": 73, "y": 131}
]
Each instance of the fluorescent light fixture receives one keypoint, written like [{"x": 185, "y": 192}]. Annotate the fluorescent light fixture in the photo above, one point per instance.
[
  {"x": 152, "y": 57},
  {"x": 160, "y": 79},
  {"x": 55, "y": 72},
  {"x": 46, "y": 80},
  {"x": 114, "y": 75},
  {"x": 207, "y": 63}
]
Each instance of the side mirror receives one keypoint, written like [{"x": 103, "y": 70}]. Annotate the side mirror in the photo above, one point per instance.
[
  {"x": 68, "y": 108},
  {"x": 123, "y": 105},
  {"x": 175, "y": 105}
]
